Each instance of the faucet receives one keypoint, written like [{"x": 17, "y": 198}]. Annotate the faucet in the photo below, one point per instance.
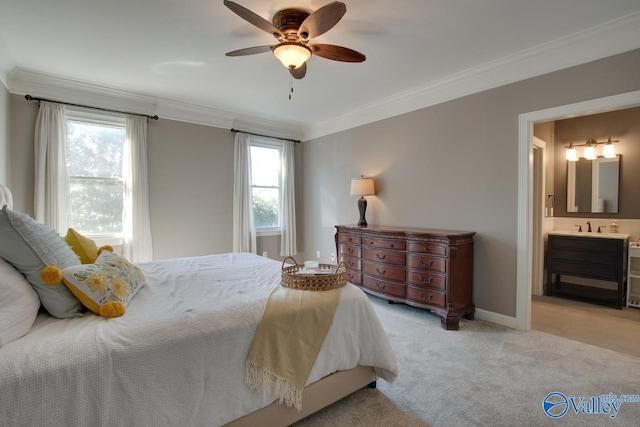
[
  {"x": 589, "y": 226},
  {"x": 579, "y": 228}
]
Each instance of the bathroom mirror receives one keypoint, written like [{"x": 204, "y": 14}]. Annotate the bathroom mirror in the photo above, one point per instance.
[{"x": 592, "y": 185}]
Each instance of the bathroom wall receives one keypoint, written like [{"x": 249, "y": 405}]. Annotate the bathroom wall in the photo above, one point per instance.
[{"x": 623, "y": 125}]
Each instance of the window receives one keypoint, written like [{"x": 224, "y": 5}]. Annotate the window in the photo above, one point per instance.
[
  {"x": 95, "y": 146},
  {"x": 266, "y": 185}
]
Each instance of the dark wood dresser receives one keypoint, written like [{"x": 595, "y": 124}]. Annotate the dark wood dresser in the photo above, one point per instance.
[
  {"x": 426, "y": 268},
  {"x": 588, "y": 257}
]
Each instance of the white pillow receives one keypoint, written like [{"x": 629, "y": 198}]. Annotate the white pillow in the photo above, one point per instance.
[{"x": 19, "y": 304}]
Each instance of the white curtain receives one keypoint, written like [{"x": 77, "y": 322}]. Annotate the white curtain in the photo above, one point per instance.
[
  {"x": 288, "y": 236},
  {"x": 137, "y": 245},
  {"x": 244, "y": 231},
  {"x": 52, "y": 203}
]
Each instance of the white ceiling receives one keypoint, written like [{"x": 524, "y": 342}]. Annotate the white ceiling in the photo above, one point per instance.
[{"x": 170, "y": 54}]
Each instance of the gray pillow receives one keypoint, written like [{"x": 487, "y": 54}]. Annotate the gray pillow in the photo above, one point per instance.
[{"x": 30, "y": 246}]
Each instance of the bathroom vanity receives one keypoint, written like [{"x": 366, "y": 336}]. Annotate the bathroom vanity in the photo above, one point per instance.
[{"x": 600, "y": 258}]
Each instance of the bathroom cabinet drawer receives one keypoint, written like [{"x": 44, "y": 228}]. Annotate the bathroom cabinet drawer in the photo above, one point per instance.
[
  {"x": 593, "y": 256},
  {"x": 583, "y": 269}
]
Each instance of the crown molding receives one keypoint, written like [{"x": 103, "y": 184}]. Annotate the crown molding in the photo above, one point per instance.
[
  {"x": 611, "y": 38},
  {"x": 23, "y": 82}
]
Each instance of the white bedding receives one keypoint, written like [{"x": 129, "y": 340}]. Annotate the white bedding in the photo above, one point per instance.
[{"x": 177, "y": 357}]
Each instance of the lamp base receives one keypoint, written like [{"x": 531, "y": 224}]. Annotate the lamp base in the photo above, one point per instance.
[{"x": 362, "y": 207}]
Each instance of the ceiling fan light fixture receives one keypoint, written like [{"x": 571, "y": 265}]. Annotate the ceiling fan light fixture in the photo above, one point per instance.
[{"x": 292, "y": 55}]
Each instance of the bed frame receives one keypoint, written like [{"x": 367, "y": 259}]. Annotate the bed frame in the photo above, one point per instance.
[{"x": 315, "y": 396}]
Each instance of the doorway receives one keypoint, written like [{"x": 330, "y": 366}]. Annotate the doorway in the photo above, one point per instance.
[{"x": 525, "y": 257}]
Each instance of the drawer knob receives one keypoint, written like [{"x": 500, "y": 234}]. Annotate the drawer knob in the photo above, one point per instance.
[
  {"x": 350, "y": 263},
  {"x": 380, "y": 272},
  {"x": 428, "y": 282},
  {"x": 428, "y": 298},
  {"x": 380, "y": 287},
  {"x": 350, "y": 250},
  {"x": 426, "y": 264},
  {"x": 380, "y": 257}
]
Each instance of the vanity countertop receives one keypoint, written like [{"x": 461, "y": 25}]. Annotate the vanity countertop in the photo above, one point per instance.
[{"x": 587, "y": 234}]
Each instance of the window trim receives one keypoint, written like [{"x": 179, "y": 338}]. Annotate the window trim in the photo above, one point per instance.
[
  {"x": 105, "y": 119},
  {"x": 277, "y": 145}
]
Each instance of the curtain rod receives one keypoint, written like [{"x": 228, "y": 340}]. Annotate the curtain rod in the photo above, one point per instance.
[
  {"x": 31, "y": 98},
  {"x": 297, "y": 141}
]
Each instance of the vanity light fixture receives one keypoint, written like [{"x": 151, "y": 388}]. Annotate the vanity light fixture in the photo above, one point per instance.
[
  {"x": 608, "y": 150},
  {"x": 572, "y": 155}
]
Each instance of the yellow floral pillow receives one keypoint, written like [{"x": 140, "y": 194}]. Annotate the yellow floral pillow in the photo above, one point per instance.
[
  {"x": 85, "y": 248},
  {"x": 105, "y": 287}
]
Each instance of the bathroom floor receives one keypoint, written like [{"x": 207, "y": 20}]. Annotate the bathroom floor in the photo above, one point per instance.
[{"x": 602, "y": 326}]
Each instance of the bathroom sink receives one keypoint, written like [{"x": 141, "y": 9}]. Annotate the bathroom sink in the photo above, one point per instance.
[{"x": 587, "y": 234}]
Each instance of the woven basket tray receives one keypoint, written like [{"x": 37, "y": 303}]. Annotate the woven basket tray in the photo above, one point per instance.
[{"x": 335, "y": 277}]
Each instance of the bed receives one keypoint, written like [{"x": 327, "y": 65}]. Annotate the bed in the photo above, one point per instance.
[{"x": 177, "y": 356}]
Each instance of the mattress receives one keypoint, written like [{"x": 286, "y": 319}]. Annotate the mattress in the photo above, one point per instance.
[{"x": 177, "y": 357}]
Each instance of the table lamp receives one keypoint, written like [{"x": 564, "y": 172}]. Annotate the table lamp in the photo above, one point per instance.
[{"x": 362, "y": 187}]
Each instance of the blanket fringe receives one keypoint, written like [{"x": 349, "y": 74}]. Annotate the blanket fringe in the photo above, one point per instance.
[{"x": 267, "y": 382}]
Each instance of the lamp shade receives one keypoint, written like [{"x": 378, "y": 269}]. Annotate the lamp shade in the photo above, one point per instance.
[
  {"x": 362, "y": 187},
  {"x": 292, "y": 55}
]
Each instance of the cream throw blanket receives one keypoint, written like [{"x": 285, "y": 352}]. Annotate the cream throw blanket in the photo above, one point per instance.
[{"x": 288, "y": 340}]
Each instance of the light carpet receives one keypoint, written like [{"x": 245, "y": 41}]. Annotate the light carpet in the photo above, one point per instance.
[{"x": 483, "y": 375}]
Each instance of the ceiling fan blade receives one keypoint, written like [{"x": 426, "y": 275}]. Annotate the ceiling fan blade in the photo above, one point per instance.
[
  {"x": 337, "y": 53},
  {"x": 322, "y": 20},
  {"x": 250, "y": 51},
  {"x": 299, "y": 72},
  {"x": 254, "y": 19}
]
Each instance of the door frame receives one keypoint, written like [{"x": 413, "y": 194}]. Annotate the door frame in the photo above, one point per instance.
[{"x": 525, "y": 185}]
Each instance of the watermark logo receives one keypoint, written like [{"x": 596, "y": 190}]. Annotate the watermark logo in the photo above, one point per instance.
[{"x": 556, "y": 404}]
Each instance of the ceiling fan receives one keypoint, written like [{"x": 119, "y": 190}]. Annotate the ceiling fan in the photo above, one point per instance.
[{"x": 294, "y": 28}]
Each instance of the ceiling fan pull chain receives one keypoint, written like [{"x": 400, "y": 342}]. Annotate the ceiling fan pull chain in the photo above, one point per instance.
[{"x": 290, "y": 86}]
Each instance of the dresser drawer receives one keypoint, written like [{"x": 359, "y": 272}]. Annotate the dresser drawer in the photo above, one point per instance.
[
  {"x": 384, "y": 243},
  {"x": 427, "y": 280},
  {"x": 385, "y": 287},
  {"x": 354, "y": 277},
  {"x": 425, "y": 262},
  {"x": 427, "y": 248},
  {"x": 352, "y": 263},
  {"x": 383, "y": 256},
  {"x": 599, "y": 271},
  {"x": 352, "y": 250},
  {"x": 350, "y": 238},
  {"x": 385, "y": 272},
  {"x": 425, "y": 296}
]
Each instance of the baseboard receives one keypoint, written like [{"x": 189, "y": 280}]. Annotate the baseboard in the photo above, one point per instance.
[{"x": 496, "y": 318}]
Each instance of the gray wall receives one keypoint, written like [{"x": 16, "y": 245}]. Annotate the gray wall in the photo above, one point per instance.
[
  {"x": 623, "y": 125},
  {"x": 5, "y": 134},
  {"x": 450, "y": 166}
]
